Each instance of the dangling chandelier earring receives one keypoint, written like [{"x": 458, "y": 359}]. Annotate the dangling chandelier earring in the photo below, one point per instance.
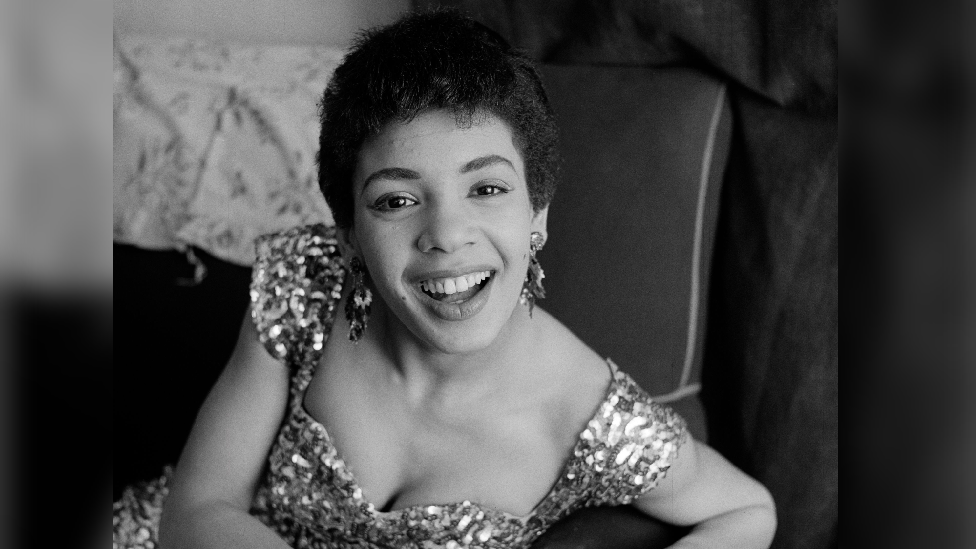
[
  {"x": 357, "y": 306},
  {"x": 532, "y": 287}
]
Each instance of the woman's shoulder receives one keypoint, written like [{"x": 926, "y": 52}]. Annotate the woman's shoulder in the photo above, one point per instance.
[
  {"x": 624, "y": 440},
  {"x": 576, "y": 377},
  {"x": 631, "y": 442},
  {"x": 295, "y": 287},
  {"x": 316, "y": 239}
]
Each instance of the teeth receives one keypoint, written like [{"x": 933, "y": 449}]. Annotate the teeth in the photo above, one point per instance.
[{"x": 453, "y": 285}]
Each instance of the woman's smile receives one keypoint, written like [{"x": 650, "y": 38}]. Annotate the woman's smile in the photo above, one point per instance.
[
  {"x": 458, "y": 287},
  {"x": 455, "y": 297}
]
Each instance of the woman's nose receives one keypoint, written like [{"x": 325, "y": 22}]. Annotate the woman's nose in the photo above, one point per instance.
[{"x": 447, "y": 230}]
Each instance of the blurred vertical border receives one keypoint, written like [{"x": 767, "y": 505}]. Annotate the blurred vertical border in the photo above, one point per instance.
[
  {"x": 55, "y": 272},
  {"x": 908, "y": 87},
  {"x": 908, "y": 201}
]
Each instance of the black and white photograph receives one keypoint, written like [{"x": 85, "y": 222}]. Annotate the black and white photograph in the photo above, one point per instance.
[
  {"x": 475, "y": 274},
  {"x": 445, "y": 274}
]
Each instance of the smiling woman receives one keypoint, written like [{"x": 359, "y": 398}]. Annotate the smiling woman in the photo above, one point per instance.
[
  {"x": 441, "y": 203},
  {"x": 445, "y": 411}
]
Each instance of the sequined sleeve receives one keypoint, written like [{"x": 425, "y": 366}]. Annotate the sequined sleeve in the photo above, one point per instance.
[
  {"x": 631, "y": 443},
  {"x": 295, "y": 287}
]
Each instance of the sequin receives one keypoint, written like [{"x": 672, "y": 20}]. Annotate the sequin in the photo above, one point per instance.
[
  {"x": 309, "y": 495},
  {"x": 624, "y": 454},
  {"x": 633, "y": 424}
]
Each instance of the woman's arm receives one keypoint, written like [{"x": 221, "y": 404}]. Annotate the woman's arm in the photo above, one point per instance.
[
  {"x": 222, "y": 462},
  {"x": 730, "y": 509}
]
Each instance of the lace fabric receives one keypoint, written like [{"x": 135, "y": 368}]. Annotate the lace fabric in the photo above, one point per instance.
[{"x": 215, "y": 142}]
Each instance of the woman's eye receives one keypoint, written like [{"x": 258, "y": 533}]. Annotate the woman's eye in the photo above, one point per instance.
[
  {"x": 393, "y": 202},
  {"x": 489, "y": 189}
]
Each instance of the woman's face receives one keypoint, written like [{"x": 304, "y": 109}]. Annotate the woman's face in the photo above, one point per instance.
[{"x": 442, "y": 221}]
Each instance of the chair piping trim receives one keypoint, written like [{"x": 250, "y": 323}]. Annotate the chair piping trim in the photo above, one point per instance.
[
  {"x": 678, "y": 394},
  {"x": 697, "y": 251}
]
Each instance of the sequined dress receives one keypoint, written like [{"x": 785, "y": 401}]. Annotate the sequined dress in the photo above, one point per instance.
[{"x": 310, "y": 497}]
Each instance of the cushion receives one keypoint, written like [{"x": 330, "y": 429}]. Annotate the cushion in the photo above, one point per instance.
[{"x": 632, "y": 225}]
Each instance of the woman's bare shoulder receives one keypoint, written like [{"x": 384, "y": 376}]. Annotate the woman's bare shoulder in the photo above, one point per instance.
[
  {"x": 570, "y": 353},
  {"x": 578, "y": 377}
]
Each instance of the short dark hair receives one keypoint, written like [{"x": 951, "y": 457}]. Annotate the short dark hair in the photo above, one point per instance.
[{"x": 427, "y": 61}]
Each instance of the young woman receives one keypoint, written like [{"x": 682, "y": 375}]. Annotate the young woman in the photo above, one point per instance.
[{"x": 446, "y": 409}]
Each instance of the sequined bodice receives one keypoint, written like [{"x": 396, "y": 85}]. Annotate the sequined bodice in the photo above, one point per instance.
[{"x": 311, "y": 497}]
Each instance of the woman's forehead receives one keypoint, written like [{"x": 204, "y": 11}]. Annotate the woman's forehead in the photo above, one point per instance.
[{"x": 435, "y": 141}]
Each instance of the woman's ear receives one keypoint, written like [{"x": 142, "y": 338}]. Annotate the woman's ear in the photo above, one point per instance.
[
  {"x": 539, "y": 220},
  {"x": 347, "y": 242}
]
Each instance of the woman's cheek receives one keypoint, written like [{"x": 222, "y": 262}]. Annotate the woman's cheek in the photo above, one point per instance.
[{"x": 516, "y": 235}]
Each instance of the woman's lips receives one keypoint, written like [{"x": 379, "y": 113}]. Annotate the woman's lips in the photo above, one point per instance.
[{"x": 455, "y": 305}]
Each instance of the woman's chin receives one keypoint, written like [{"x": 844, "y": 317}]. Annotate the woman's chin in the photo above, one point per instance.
[
  {"x": 461, "y": 328},
  {"x": 460, "y": 342},
  {"x": 471, "y": 336}
]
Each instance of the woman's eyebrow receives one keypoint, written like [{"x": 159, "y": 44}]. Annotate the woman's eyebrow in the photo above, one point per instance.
[
  {"x": 403, "y": 173},
  {"x": 484, "y": 162},
  {"x": 390, "y": 173}
]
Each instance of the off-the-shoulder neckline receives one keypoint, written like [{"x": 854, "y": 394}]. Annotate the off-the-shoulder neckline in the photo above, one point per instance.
[{"x": 320, "y": 430}]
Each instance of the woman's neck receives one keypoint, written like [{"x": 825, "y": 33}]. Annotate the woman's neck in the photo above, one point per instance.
[{"x": 429, "y": 377}]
